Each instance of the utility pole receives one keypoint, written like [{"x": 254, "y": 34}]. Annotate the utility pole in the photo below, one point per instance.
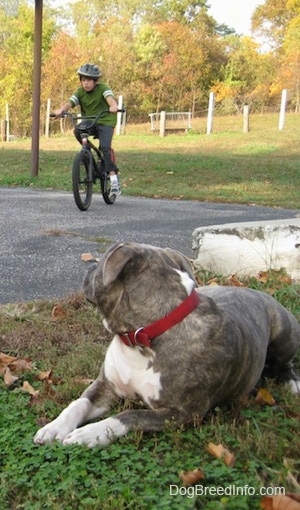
[{"x": 36, "y": 95}]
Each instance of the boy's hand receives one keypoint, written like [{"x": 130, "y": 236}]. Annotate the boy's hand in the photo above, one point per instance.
[{"x": 58, "y": 113}]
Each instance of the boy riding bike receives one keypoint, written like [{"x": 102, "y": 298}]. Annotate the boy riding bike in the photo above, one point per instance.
[{"x": 92, "y": 97}]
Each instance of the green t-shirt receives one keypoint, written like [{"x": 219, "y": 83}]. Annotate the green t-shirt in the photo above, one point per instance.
[{"x": 91, "y": 103}]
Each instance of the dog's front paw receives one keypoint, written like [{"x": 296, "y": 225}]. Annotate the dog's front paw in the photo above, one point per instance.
[
  {"x": 295, "y": 386},
  {"x": 76, "y": 413},
  {"x": 94, "y": 434},
  {"x": 55, "y": 430}
]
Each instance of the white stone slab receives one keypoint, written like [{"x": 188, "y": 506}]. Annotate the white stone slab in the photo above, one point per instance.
[{"x": 245, "y": 249}]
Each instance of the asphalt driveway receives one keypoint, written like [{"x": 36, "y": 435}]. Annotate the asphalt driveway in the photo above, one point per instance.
[{"x": 43, "y": 234}]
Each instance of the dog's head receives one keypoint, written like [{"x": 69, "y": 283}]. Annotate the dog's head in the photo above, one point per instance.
[{"x": 136, "y": 284}]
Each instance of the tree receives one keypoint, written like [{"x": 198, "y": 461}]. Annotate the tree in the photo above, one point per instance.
[
  {"x": 16, "y": 65},
  {"x": 288, "y": 71},
  {"x": 247, "y": 75},
  {"x": 271, "y": 19}
]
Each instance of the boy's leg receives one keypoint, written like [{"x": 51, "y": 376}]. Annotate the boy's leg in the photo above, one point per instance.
[{"x": 105, "y": 134}]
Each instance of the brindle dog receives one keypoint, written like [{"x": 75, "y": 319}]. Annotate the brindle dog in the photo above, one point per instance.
[{"x": 210, "y": 345}]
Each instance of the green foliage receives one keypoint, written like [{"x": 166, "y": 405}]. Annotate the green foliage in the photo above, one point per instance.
[{"x": 162, "y": 55}]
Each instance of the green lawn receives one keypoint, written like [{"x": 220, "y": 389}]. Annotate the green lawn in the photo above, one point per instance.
[{"x": 260, "y": 167}]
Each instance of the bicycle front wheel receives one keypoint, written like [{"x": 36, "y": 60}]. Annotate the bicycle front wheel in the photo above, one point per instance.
[{"x": 82, "y": 181}]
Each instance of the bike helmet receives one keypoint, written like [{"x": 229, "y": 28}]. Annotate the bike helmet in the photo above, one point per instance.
[{"x": 89, "y": 71}]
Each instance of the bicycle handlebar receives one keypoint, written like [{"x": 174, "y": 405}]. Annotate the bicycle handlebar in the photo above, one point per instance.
[
  {"x": 79, "y": 116},
  {"x": 87, "y": 121}
]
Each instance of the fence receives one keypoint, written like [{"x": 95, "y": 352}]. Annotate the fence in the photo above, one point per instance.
[
  {"x": 161, "y": 122},
  {"x": 170, "y": 121}
]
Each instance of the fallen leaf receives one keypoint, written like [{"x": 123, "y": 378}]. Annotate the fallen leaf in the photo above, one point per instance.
[
  {"x": 48, "y": 388},
  {"x": 191, "y": 477},
  {"x": 20, "y": 365},
  {"x": 263, "y": 276},
  {"x": 44, "y": 375},
  {"x": 213, "y": 281},
  {"x": 87, "y": 257},
  {"x": 287, "y": 502},
  {"x": 29, "y": 389},
  {"x": 264, "y": 397},
  {"x": 220, "y": 452},
  {"x": 234, "y": 282},
  {"x": 4, "y": 358},
  {"x": 9, "y": 379},
  {"x": 58, "y": 313}
]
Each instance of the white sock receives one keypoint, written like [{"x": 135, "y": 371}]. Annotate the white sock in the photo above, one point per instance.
[{"x": 114, "y": 179}]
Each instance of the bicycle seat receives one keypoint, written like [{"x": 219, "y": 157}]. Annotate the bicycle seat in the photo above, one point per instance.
[{"x": 85, "y": 127}]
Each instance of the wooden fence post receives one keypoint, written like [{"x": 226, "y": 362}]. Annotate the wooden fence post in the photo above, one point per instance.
[
  {"x": 211, "y": 105},
  {"x": 246, "y": 119},
  {"x": 47, "y": 118},
  {"x": 162, "y": 123},
  {"x": 282, "y": 109},
  {"x": 119, "y": 116}
]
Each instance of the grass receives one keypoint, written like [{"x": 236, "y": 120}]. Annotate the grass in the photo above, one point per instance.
[
  {"x": 135, "y": 472},
  {"x": 261, "y": 167}
]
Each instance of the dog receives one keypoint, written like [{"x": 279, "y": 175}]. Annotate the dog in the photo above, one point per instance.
[{"x": 180, "y": 348}]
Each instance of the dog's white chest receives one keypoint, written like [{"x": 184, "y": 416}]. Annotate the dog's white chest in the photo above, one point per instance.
[{"x": 128, "y": 370}]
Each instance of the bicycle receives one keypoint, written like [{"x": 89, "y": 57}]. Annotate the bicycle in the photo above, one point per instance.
[{"x": 88, "y": 165}]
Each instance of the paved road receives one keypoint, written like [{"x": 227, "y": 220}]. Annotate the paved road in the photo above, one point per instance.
[{"x": 43, "y": 234}]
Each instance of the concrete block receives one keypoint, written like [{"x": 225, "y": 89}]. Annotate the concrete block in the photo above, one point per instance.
[{"x": 245, "y": 249}]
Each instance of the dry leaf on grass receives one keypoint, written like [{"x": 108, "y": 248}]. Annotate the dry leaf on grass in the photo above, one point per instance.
[
  {"x": 5, "y": 359},
  {"x": 20, "y": 365},
  {"x": 29, "y": 389},
  {"x": 58, "y": 313},
  {"x": 9, "y": 379},
  {"x": 191, "y": 477},
  {"x": 263, "y": 276},
  {"x": 220, "y": 452},
  {"x": 213, "y": 281},
  {"x": 9, "y": 364},
  {"x": 281, "y": 277},
  {"x": 232, "y": 281},
  {"x": 287, "y": 502},
  {"x": 44, "y": 375},
  {"x": 264, "y": 397}
]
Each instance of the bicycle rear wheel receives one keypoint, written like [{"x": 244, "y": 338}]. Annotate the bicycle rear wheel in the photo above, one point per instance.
[
  {"x": 105, "y": 189},
  {"x": 81, "y": 180},
  {"x": 105, "y": 185}
]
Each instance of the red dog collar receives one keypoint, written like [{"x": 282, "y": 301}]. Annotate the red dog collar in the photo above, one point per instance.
[{"x": 143, "y": 336}]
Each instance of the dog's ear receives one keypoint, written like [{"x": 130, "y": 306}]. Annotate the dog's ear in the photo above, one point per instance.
[
  {"x": 115, "y": 262},
  {"x": 181, "y": 261}
]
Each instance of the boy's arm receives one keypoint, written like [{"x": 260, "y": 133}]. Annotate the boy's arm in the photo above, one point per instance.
[
  {"x": 63, "y": 109},
  {"x": 112, "y": 104}
]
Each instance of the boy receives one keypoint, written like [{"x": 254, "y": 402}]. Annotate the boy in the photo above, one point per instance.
[{"x": 92, "y": 97}]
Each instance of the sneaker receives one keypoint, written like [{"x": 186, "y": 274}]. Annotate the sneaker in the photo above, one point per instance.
[{"x": 115, "y": 189}]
